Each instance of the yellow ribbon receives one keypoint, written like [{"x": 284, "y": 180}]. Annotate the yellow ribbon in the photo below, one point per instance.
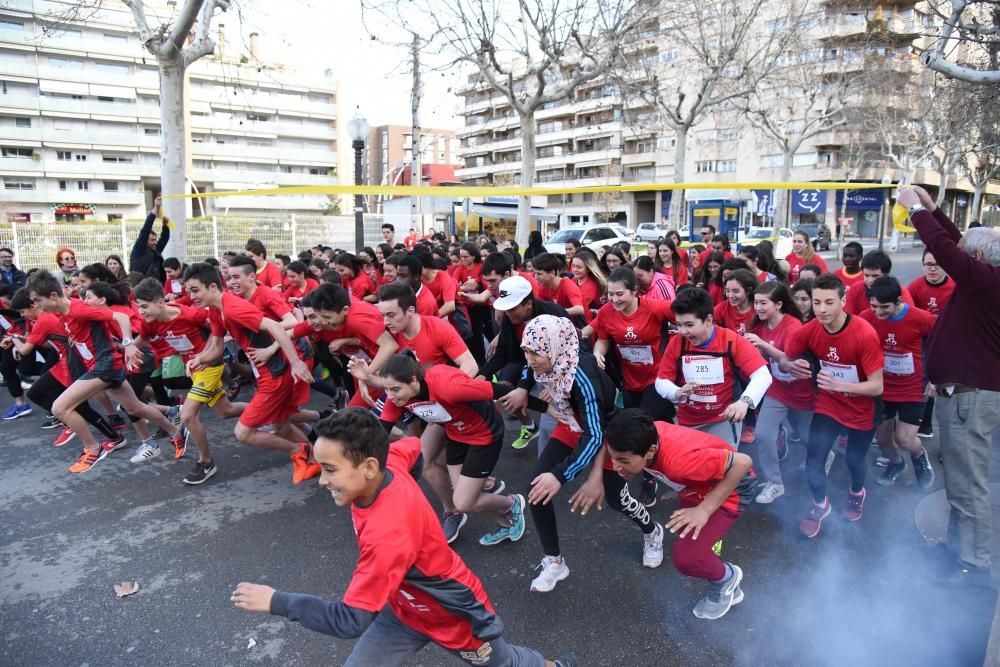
[
  {"x": 901, "y": 214},
  {"x": 463, "y": 191}
]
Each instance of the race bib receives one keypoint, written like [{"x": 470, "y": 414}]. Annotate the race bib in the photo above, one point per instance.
[
  {"x": 430, "y": 412},
  {"x": 703, "y": 369},
  {"x": 637, "y": 354},
  {"x": 841, "y": 372},
  {"x": 899, "y": 364},
  {"x": 84, "y": 351},
  {"x": 256, "y": 373},
  {"x": 176, "y": 287},
  {"x": 180, "y": 343},
  {"x": 779, "y": 374},
  {"x": 5, "y": 323}
]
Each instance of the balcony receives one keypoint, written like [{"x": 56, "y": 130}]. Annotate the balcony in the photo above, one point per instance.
[
  {"x": 256, "y": 178},
  {"x": 99, "y": 169},
  {"x": 22, "y": 133},
  {"x": 52, "y": 195},
  {"x": 636, "y": 159},
  {"x": 20, "y": 165}
]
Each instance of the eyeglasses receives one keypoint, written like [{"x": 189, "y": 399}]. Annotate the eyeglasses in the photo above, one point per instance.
[
  {"x": 67, "y": 258},
  {"x": 931, "y": 265}
]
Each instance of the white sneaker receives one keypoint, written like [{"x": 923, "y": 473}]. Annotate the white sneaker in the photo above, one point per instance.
[
  {"x": 145, "y": 453},
  {"x": 769, "y": 492},
  {"x": 652, "y": 550},
  {"x": 554, "y": 570}
]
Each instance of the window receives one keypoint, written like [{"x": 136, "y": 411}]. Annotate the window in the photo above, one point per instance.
[
  {"x": 725, "y": 165},
  {"x": 83, "y": 185},
  {"x": 102, "y": 98},
  {"x": 22, "y": 122},
  {"x": 111, "y": 68},
  {"x": 114, "y": 217},
  {"x": 285, "y": 169},
  {"x": 81, "y": 157},
  {"x": 14, "y": 151},
  {"x": 803, "y": 159},
  {"x": 120, "y": 39},
  {"x": 770, "y": 161},
  {"x": 65, "y": 63},
  {"x": 704, "y": 166},
  {"x": 18, "y": 184},
  {"x": 152, "y": 131},
  {"x": 220, "y": 140},
  {"x": 111, "y": 186},
  {"x": 117, "y": 159},
  {"x": 10, "y": 24},
  {"x": 258, "y": 117},
  {"x": 259, "y": 142},
  {"x": 63, "y": 185},
  {"x": 319, "y": 171}
]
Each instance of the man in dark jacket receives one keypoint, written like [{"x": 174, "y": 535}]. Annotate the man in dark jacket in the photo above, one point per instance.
[
  {"x": 10, "y": 274},
  {"x": 147, "y": 253}
]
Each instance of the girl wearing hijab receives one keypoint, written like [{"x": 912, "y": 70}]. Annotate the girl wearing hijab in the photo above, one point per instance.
[{"x": 581, "y": 397}]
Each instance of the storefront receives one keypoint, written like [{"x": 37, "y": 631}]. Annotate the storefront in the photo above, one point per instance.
[
  {"x": 807, "y": 207},
  {"x": 18, "y": 217},
  {"x": 862, "y": 213},
  {"x": 723, "y": 209},
  {"x": 73, "y": 212}
]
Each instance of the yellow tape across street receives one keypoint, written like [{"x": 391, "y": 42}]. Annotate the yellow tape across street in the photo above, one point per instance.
[{"x": 463, "y": 191}]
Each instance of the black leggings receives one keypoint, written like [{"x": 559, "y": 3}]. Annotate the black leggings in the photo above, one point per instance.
[
  {"x": 13, "y": 370},
  {"x": 544, "y": 516},
  {"x": 650, "y": 402},
  {"x": 47, "y": 389},
  {"x": 617, "y": 495},
  {"x": 822, "y": 434}
]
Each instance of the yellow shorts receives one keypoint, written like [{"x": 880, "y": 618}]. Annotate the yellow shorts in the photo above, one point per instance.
[{"x": 206, "y": 385}]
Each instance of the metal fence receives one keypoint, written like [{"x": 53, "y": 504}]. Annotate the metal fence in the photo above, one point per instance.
[{"x": 35, "y": 245}]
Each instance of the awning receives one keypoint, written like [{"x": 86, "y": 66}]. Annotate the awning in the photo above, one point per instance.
[{"x": 510, "y": 213}]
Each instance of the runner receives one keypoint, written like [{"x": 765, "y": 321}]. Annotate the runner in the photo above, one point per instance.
[
  {"x": 670, "y": 262},
  {"x": 432, "y": 340},
  {"x": 902, "y": 331},
  {"x": 445, "y": 291},
  {"x": 589, "y": 279},
  {"x": 737, "y": 310},
  {"x": 409, "y": 271},
  {"x": 184, "y": 331},
  {"x": 299, "y": 282},
  {"x": 802, "y": 253},
  {"x": 776, "y": 320},
  {"x": 267, "y": 273},
  {"x": 408, "y": 588},
  {"x": 274, "y": 401},
  {"x": 353, "y": 277},
  {"x": 874, "y": 265},
  {"x": 848, "y": 380},
  {"x": 710, "y": 277},
  {"x": 702, "y": 367},
  {"x": 850, "y": 273},
  {"x": 802, "y": 294},
  {"x": 563, "y": 291},
  {"x": 653, "y": 284}
]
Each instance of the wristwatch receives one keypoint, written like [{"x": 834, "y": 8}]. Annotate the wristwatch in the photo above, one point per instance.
[
  {"x": 127, "y": 341},
  {"x": 748, "y": 401},
  {"x": 917, "y": 207}
]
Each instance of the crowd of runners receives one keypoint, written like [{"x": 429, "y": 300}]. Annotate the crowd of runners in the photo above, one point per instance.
[{"x": 696, "y": 367}]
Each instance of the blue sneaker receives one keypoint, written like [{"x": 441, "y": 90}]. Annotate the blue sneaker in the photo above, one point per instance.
[
  {"x": 512, "y": 532},
  {"x": 15, "y": 411}
]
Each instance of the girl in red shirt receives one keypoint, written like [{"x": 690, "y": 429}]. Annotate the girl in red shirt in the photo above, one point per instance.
[
  {"x": 710, "y": 277},
  {"x": 590, "y": 279},
  {"x": 802, "y": 253},
  {"x": 353, "y": 277},
  {"x": 737, "y": 310},
  {"x": 299, "y": 283},
  {"x": 668, "y": 261},
  {"x": 468, "y": 276}
]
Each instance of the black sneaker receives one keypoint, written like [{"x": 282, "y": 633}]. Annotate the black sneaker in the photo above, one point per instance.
[
  {"x": 891, "y": 473},
  {"x": 650, "y": 489},
  {"x": 50, "y": 421},
  {"x": 200, "y": 473},
  {"x": 923, "y": 470}
]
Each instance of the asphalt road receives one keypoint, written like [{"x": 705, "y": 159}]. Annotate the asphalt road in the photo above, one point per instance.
[{"x": 859, "y": 594}]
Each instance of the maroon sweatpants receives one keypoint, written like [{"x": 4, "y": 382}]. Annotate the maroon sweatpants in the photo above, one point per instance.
[{"x": 695, "y": 558}]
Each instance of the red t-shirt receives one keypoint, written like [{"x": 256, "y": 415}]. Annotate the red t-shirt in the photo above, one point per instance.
[
  {"x": 404, "y": 561},
  {"x": 410, "y": 241},
  {"x": 270, "y": 302},
  {"x": 242, "y": 320},
  {"x": 796, "y": 394},
  {"x": 364, "y": 322},
  {"x": 902, "y": 348},
  {"x": 437, "y": 342},
  {"x": 727, "y": 315},
  {"x": 857, "y": 300},
  {"x": 852, "y": 354},
  {"x": 175, "y": 287},
  {"x": 931, "y": 298},
  {"x": 463, "y": 274},
  {"x": 703, "y": 256},
  {"x": 361, "y": 286},
  {"x": 636, "y": 337},
  {"x": 185, "y": 335},
  {"x": 709, "y": 366},
  {"x": 90, "y": 330},
  {"x": 590, "y": 292},
  {"x": 717, "y": 293},
  {"x": 795, "y": 264},
  {"x": 566, "y": 294},
  {"x": 443, "y": 287},
  {"x": 849, "y": 280},
  {"x": 464, "y": 406},
  {"x": 426, "y": 303},
  {"x": 695, "y": 460},
  {"x": 293, "y": 292},
  {"x": 269, "y": 275},
  {"x": 48, "y": 330}
]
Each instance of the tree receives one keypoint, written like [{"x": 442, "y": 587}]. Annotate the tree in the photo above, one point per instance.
[
  {"x": 981, "y": 161},
  {"x": 714, "y": 54},
  {"x": 971, "y": 29},
  {"x": 176, "y": 45},
  {"x": 529, "y": 52}
]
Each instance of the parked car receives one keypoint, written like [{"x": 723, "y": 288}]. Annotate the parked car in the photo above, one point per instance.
[
  {"x": 650, "y": 232},
  {"x": 595, "y": 237},
  {"x": 818, "y": 232},
  {"x": 781, "y": 238}
]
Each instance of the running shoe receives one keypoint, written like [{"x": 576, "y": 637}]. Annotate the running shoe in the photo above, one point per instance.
[
  {"x": 179, "y": 441},
  {"x": 923, "y": 470},
  {"x": 235, "y": 387},
  {"x": 525, "y": 437},
  {"x": 882, "y": 461},
  {"x": 649, "y": 492},
  {"x": 748, "y": 434},
  {"x": 769, "y": 493},
  {"x": 174, "y": 415},
  {"x": 312, "y": 470},
  {"x": 721, "y": 596},
  {"x": 452, "y": 523},
  {"x": 811, "y": 525},
  {"x": 117, "y": 422},
  {"x": 494, "y": 486},
  {"x": 67, "y": 435},
  {"x": 891, "y": 473},
  {"x": 855, "y": 508},
  {"x": 782, "y": 443},
  {"x": 87, "y": 460},
  {"x": 553, "y": 570},
  {"x": 513, "y": 531},
  {"x": 300, "y": 463},
  {"x": 200, "y": 473},
  {"x": 113, "y": 444},
  {"x": 652, "y": 547},
  {"x": 925, "y": 431},
  {"x": 51, "y": 421},
  {"x": 147, "y": 450},
  {"x": 496, "y": 536},
  {"x": 15, "y": 411}
]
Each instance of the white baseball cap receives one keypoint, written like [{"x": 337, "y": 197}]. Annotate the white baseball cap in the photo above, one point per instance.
[{"x": 513, "y": 291}]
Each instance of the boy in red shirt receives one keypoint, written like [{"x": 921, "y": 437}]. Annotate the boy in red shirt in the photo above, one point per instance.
[
  {"x": 409, "y": 588},
  {"x": 557, "y": 289},
  {"x": 874, "y": 265},
  {"x": 717, "y": 486},
  {"x": 848, "y": 380},
  {"x": 432, "y": 340},
  {"x": 267, "y": 273},
  {"x": 850, "y": 273},
  {"x": 274, "y": 401},
  {"x": 932, "y": 290},
  {"x": 701, "y": 367},
  {"x": 902, "y": 330},
  {"x": 409, "y": 271},
  {"x": 298, "y": 282},
  {"x": 90, "y": 331}
]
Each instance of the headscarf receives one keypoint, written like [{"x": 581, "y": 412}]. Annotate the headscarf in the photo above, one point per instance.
[{"x": 555, "y": 338}]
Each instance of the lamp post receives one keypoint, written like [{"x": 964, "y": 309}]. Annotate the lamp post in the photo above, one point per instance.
[{"x": 357, "y": 129}]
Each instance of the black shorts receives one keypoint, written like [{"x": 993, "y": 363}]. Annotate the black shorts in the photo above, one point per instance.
[
  {"x": 909, "y": 412},
  {"x": 111, "y": 377},
  {"x": 477, "y": 461}
]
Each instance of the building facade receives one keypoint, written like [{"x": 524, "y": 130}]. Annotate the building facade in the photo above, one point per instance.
[{"x": 80, "y": 121}]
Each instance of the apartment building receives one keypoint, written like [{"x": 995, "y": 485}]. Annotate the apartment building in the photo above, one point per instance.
[
  {"x": 597, "y": 138},
  {"x": 80, "y": 129}
]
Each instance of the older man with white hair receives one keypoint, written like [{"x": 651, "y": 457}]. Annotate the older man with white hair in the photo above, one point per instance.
[{"x": 963, "y": 363}]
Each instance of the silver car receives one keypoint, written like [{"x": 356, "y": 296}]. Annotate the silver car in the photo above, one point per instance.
[{"x": 650, "y": 231}]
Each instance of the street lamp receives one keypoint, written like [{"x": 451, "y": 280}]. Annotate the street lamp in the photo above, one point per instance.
[{"x": 357, "y": 129}]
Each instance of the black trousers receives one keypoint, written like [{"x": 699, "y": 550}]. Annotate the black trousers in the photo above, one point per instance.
[{"x": 47, "y": 389}]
